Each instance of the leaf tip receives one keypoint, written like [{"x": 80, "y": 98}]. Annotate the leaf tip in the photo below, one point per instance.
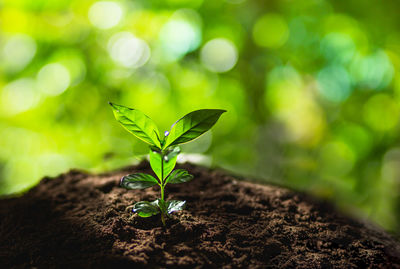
[
  {"x": 112, "y": 105},
  {"x": 121, "y": 181}
]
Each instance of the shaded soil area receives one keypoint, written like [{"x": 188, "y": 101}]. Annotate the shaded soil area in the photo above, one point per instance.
[{"x": 78, "y": 220}]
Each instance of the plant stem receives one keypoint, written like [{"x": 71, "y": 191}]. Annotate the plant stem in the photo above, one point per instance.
[
  {"x": 162, "y": 187},
  {"x": 162, "y": 193},
  {"x": 162, "y": 218},
  {"x": 162, "y": 176}
]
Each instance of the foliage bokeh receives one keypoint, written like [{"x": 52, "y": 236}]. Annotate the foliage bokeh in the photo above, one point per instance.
[{"x": 312, "y": 88}]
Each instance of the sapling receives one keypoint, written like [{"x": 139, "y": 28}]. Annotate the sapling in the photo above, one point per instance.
[{"x": 163, "y": 153}]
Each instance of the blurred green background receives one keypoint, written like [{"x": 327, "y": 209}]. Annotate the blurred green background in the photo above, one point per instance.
[{"x": 312, "y": 90}]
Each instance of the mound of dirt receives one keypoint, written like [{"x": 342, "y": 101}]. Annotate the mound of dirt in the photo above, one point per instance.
[{"x": 78, "y": 220}]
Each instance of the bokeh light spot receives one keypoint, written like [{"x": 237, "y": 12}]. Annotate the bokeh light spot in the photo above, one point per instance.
[
  {"x": 105, "y": 14},
  {"x": 271, "y": 31},
  {"x": 339, "y": 23},
  {"x": 53, "y": 79},
  {"x": 356, "y": 137},
  {"x": 219, "y": 55},
  {"x": 373, "y": 71},
  {"x": 128, "y": 50},
  {"x": 391, "y": 166},
  {"x": 18, "y": 52},
  {"x": 19, "y": 96},
  {"x": 294, "y": 105},
  {"x": 337, "y": 158},
  {"x": 338, "y": 47},
  {"x": 381, "y": 112},
  {"x": 334, "y": 84},
  {"x": 181, "y": 34}
]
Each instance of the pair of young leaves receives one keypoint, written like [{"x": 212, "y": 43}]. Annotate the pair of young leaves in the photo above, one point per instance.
[
  {"x": 187, "y": 128},
  {"x": 147, "y": 209},
  {"x": 142, "y": 180},
  {"x": 184, "y": 130}
]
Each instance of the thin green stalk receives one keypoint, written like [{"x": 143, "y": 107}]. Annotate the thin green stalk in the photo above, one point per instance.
[
  {"x": 162, "y": 186},
  {"x": 162, "y": 176},
  {"x": 162, "y": 218}
]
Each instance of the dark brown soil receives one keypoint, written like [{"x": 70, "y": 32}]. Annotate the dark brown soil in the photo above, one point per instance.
[{"x": 80, "y": 220}]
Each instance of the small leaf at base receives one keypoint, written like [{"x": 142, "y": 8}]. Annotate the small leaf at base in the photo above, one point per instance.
[
  {"x": 179, "y": 176},
  {"x": 146, "y": 209},
  {"x": 175, "y": 205},
  {"x": 138, "y": 181}
]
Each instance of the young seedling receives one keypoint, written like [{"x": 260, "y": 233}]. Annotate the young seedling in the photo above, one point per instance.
[{"x": 164, "y": 151}]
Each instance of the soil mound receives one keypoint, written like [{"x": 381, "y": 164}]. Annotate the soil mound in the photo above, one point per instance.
[{"x": 78, "y": 220}]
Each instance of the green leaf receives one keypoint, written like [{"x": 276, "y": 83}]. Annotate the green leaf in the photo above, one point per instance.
[
  {"x": 174, "y": 205},
  {"x": 138, "y": 181},
  {"x": 146, "y": 209},
  {"x": 179, "y": 176},
  {"x": 138, "y": 124},
  {"x": 169, "y": 161},
  {"x": 172, "y": 153},
  {"x": 192, "y": 126}
]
